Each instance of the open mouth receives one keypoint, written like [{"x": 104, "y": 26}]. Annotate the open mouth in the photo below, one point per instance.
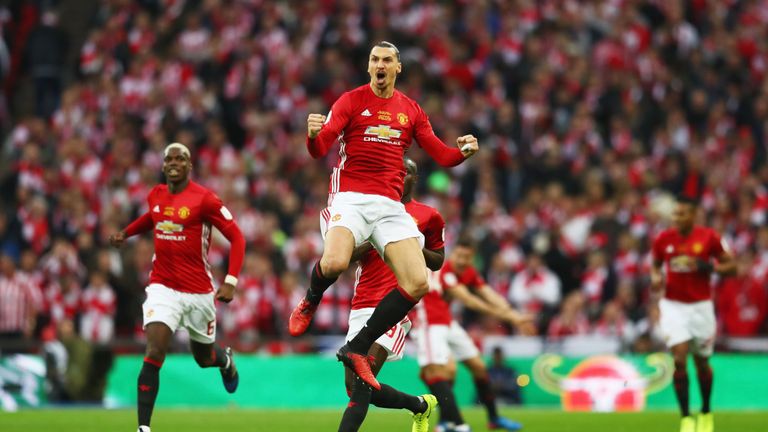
[
  {"x": 173, "y": 172},
  {"x": 380, "y": 77}
]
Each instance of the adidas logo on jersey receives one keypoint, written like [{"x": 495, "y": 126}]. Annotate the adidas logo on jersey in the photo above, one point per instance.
[
  {"x": 156, "y": 209},
  {"x": 366, "y": 113}
]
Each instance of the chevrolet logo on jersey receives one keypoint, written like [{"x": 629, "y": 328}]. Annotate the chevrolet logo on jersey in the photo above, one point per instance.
[
  {"x": 168, "y": 227},
  {"x": 383, "y": 133}
]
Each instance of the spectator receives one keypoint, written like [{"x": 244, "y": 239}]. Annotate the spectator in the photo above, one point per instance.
[
  {"x": 46, "y": 53},
  {"x": 614, "y": 324},
  {"x": 595, "y": 281},
  {"x": 97, "y": 320},
  {"x": 536, "y": 288},
  {"x": 650, "y": 338},
  {"x": 572, "y": 319},
  {"x": 742, "y": 301},
  {"x": 503, "y": 379},
  {"x": 18, "y": 309}
]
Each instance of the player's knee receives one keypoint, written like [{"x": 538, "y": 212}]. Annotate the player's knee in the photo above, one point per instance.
[
  {"x": 434, "y": 373},
  {"x": 702, "y": 363},
  {"x": 419, "y": 288},
  {"x": 479, "y": 372},
  {"x": 333, "y": 265},
  {"x": 155, "y": 354}
]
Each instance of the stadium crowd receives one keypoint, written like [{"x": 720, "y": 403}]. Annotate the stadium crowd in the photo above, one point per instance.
[{"x": 590, "y": 115}]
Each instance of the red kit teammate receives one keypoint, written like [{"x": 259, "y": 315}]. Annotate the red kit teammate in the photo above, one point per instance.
[
  {"x": 374, "y": 281},
  {"x": 374, "y": 125},
  {"x": 687, "y": 252},
  {"x": 181, "y": 286},
  {"x": 441, "y": 339}
]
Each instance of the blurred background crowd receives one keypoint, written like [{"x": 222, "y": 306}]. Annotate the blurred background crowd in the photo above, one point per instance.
[{"x": 591, "y": 115}]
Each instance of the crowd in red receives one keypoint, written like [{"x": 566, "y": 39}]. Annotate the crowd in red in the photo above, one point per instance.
[{"x": 590, "y": 115}]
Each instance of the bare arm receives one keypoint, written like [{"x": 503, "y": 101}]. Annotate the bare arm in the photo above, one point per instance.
[
  {"x": 726, "y": 264},
  {"x": 461, "y": 293},
  {"x": 657, "y": 279},
  {"x": 524, "y": 322},
  {"x": 360, "y": 251},
  {"x": 492, "y": 297},
  {"x": 434, "y": 258}
]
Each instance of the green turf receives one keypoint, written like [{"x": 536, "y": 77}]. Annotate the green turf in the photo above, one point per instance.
[{"x": 240, "y": 420}]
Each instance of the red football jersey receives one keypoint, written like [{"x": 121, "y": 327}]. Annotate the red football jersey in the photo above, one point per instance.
[
  {"x": 374, "y": 133},
  {"x": 181, "y": 224},
  {"x": 374, "y": 278},
  {"x": 434, "y": 308},
  {"x": 679, "y": 254}
]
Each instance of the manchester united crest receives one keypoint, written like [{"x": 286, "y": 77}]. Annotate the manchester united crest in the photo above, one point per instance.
[
  {"x": 402, "y": 118},
  {"x": 184, "y": 212}
]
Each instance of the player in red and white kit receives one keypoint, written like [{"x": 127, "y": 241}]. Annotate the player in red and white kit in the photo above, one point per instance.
[
  {"x": 441, "y": 339},
  {"x": 374, "y": 125},
  {"x": 181, "y": 287},
  {"x": 374, "y": 280},
  {"x": 688, "y": 254}
]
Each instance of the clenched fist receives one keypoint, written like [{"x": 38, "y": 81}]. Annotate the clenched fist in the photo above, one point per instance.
[
  {"x": 468, "y": 145},
  {"x": 315, "y": 122},
  {"x": 117, "y": 239}
]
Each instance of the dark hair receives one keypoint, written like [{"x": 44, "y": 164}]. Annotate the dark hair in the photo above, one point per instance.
[
  {"x": 465, "y": 241},
  {"x": 385, "y": 44},
  {"x": 685, "y": 199}
]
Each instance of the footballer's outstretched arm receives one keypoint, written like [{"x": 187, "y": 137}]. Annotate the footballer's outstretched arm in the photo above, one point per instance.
[
  {"x": 492, "y": 297},
  {"x": 461, "y": 293},
  {"x": 142, "y": 224},
  {"x": 523, "y": 321}
]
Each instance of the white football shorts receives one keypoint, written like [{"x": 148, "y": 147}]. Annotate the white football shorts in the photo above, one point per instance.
[
  {"x": 682, "y": 322},
  {"x": 373, "y": 218},
  {"x": 195, "y": 312},
  {"x": 438, "y": 343},
  {"x": 393, "y": 340}
]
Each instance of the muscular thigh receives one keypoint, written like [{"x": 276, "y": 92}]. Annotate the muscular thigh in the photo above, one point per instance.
[{"x": 406, "y": 260}]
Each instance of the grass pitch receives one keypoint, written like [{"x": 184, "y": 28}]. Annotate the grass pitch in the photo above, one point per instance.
[{"x": 242, "y": 420}]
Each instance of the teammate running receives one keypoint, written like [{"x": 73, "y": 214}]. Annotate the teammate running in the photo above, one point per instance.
[
  {"x": 181, "y": 286},
  {"x": 687, "y": 319},
  {"x": 441, "y": 339}
]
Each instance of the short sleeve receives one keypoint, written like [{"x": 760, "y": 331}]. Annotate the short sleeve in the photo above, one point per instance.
[
  {"x": 448, "y": 280},
  {"x": 434, "y": 234},
  {"x": 717, "y": 244},
  {"x": 474, "y": 278}
]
